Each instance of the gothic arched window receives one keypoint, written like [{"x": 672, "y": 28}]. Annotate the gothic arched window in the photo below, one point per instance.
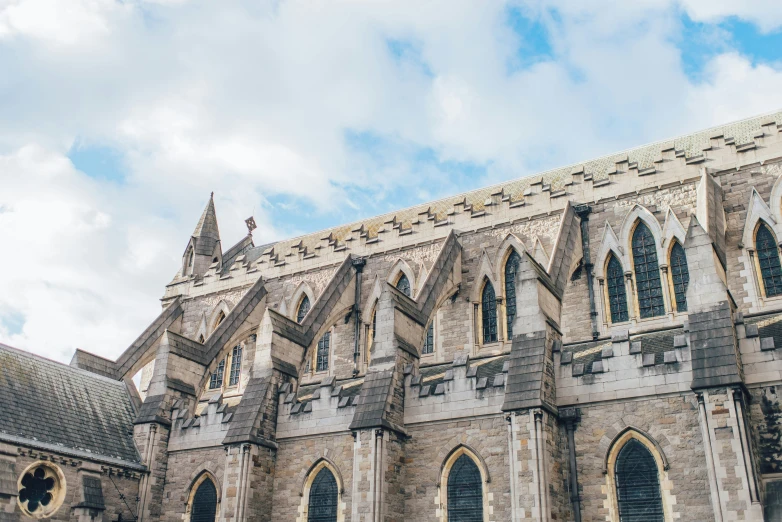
[
  {"x": 637, "y": 484},
  {"x": 323, "y": 498},
  {"x": 403, "y": 285},
  {"x": 322, "y": 354},
  {"x": 204, "y": 507},
  {"x": 768, "y": 259},
  {"x": 680, "y": 276},
  {"x": 465, "y": 491},
  {"x": 617, "y": 294},
  {"x": 236, "y": 366},
  {"x": 304, "y": 308},
  {"x": 489, "y": 313},
  {"x": 219, "y": 319},
  {"x": 429, "y": 339},
  {"x": 216, "y": 380},
  {"x": 511, "y": 266},
  {"x": 647, "y": 273}
]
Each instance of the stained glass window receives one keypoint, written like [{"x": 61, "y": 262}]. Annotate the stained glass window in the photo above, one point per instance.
[
  {"x": 465, "y": 492},
  {"x": 617, "y": 295},
  {"x": 403, "y": 285},
  {"x": 647, "y": 273},
  {"x": 322, "y": 362},
  {"x": 304, "y": 308},
  {"x": 680, "y": 276},
  {"x": 323, "y": 498},
  {"x": 489, "y": 311},
  {"x": 236, "y": 366},
  {"x": 511, "y": 266},
  {"x": 429, "y": 339},
  {"x": 637, "y": 485},
  {"x": 216, "y": 381},
  {"x": 768, "y": 259},
  {"x": 204, "y": 503}
]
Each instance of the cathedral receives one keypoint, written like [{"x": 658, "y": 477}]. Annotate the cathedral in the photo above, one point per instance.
[{"x": 593, "y": 343}]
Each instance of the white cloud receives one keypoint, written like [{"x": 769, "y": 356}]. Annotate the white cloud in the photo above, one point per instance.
[{"x": 253, "y": 100}]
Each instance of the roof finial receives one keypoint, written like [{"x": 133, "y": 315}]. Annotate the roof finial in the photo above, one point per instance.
[{"x": 212, "y": 195}]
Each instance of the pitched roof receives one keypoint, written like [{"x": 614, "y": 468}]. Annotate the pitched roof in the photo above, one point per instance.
[
  {"x": 206, "y": 231},
  {"x": 55, "y": 406}
]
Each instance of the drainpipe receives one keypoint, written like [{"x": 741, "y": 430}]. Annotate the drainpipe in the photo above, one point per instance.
[
  {"x": 571, "y": 416},
  {"x": 583, "y": 211},
  {"x": 358, "y": 264}
]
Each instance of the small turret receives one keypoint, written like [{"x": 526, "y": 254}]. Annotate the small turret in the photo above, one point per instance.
[{"x": 204, "y": 247}]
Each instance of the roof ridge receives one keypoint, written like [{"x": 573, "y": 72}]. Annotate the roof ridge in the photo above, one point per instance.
[
  {"x": 41, "y": 358},
  {"x": 462, "y": 195}
]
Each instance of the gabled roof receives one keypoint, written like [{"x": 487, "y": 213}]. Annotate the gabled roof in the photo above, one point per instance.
[{"x": 63, "y": 409}]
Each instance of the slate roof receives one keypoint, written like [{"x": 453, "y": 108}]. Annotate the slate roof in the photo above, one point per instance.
[
  {"x": 45, "y": 403},
  {"x": 587, "y": 353},
  {"x": 769, "y": 326},
  {"x": 487, "y": 367},
  {"x": 658, "y": 343}
]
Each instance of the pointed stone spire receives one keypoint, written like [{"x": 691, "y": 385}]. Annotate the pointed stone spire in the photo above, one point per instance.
[{"x": 204, "y": 247}]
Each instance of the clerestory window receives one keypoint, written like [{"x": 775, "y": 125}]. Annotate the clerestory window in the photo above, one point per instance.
[
  {"x": 489, "y": 313},
  {"x": 647, "y": 273}
]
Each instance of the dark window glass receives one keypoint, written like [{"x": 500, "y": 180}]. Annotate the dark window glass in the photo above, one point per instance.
[
  {"x": 489, "y": 310},
  {"x": 768, "y": 258},
  {"x": 511, "y": 266},
  {"x": 216, "y": 381},
  {"x": 403, "y": 285},
  {"x": 236, "y": 366},
  {"x": 36, "y": 489},
  {"x": 680, "y": 276},
  {"x": 322, "y": 362},
  {"x": 647, "y": 273},
  {"x": 204, "y": 503},
  {"x": 617, "y": 295},
  {"x": 637, "y": 485},
  {"x": 323, "y": 498},
  {"x": 429, "y": 339},
  {"x": 465, "y": 492},
  {"x": 304, "y": 307}
]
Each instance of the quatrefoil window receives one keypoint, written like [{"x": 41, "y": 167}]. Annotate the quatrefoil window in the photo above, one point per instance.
[{"x": 41, "y": 489}]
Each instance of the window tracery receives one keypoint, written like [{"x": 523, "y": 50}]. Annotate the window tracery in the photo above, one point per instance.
[
  {"x": 304, "y": 308},
  {"x": 511, "y": 267},
  {"x": 647, "y": 273},
  {"x": 216, "y": 380},
  {"x": 768, "y": 261},
  {"x": 680, "y": 276},
  {"x": 41, "y": 490},
  {"x": 617, "y": 294},
  {"x": 465, "y": 491},
  {"x": 323, "y": 497},
  {"x": 403, "y": 285},
  {"x": 489, "y": 313},
  {"x": 322, "y": 353},
  {"x": 236, "y": 366}
]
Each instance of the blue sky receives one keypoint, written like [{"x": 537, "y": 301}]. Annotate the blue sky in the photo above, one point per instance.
[{"x": 119, "y": 119}]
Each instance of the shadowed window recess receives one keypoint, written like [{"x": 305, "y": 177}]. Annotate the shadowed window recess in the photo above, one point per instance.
[
  {"x": 323, "y": 498},
  {"x": 637, "y": 485},
  {"x": 304, "y": 308},
  {"x": 680, "y": 276},
  {"x": 429, "y": 339},
  {"x": 236, "y": 366},
  {"x": 511, "y": 267},
  {"x": 216, "y": 380},
  {"x": 617, "y": 294},
  {"x": 37, "y": 489},
  {"x": 465, "y": 492},
  {"x": 489, "y": 313},
  {"x": 322, "y": 354},
  {"x": 403, "y": 285},
  {"x": 768, "y": 260},
  {"x": 647, "y": 273},
  {"x": 204, "y": 503}
]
